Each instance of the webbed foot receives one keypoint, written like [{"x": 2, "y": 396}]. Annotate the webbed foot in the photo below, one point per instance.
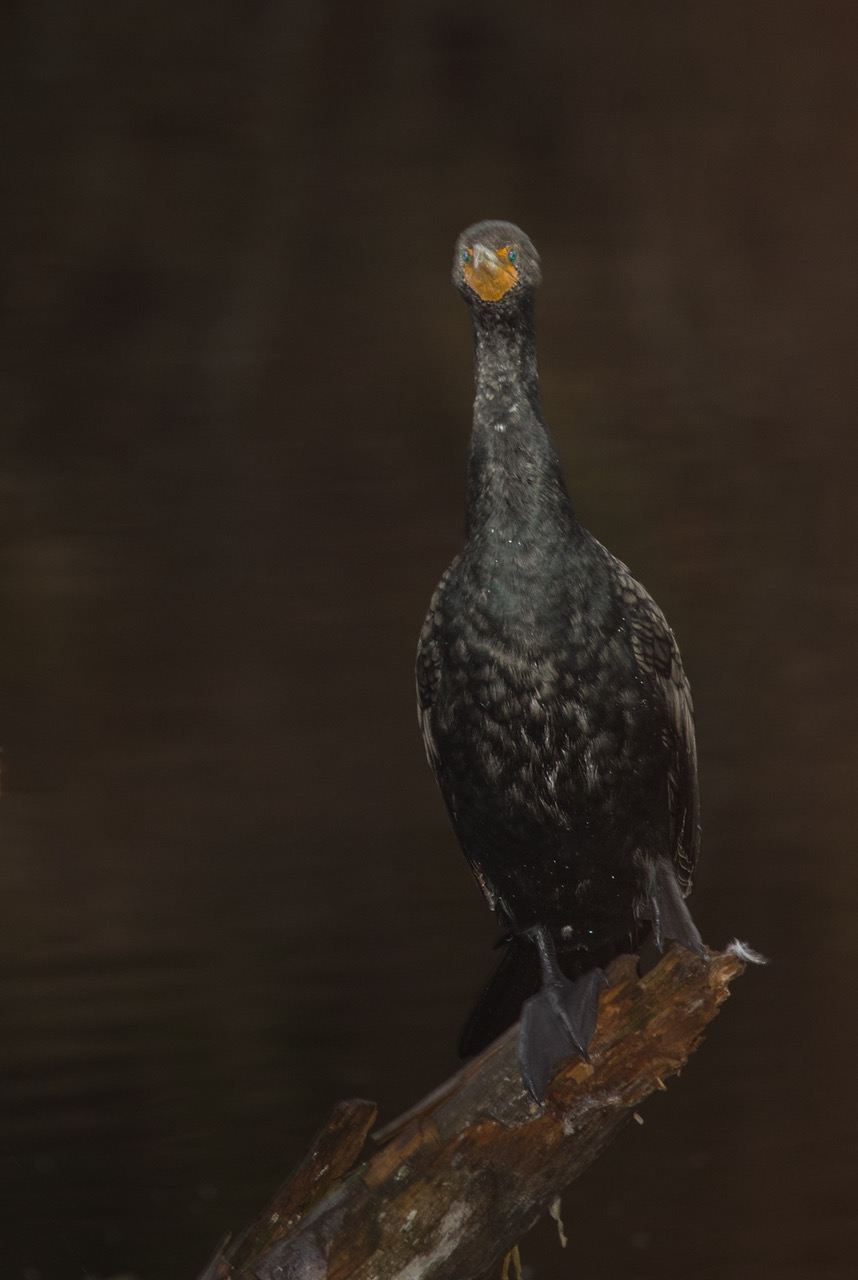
[
  {"x": 666, "y": 908},
  {"x": 558, "y": 1021}
]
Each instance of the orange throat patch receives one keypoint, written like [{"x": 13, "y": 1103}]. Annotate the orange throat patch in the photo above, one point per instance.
[{"x": 494, "y": 277}]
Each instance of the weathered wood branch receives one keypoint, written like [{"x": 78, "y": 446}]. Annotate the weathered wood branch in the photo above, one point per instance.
[{"x": 452, "y": 1185}]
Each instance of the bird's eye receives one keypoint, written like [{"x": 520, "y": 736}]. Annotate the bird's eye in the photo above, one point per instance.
[
  {"x": 512, "y": 255},
  {"x": 466, "y": 255}
]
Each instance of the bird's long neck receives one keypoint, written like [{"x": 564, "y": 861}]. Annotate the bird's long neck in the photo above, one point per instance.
[{"x": 515, "y": 489}]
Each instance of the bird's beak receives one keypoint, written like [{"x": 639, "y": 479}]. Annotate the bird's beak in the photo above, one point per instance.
[
  {"x": 486, "y": 261},
  {"x": 489, "y": 275}
]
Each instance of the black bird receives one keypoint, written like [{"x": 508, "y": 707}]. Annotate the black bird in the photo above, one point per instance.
[{"x": 555, "y": 711}]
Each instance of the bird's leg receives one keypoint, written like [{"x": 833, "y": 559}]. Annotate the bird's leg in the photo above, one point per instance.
[
  {"x": 666, "y": 908},
  {"x": 559, "y": 1020}
]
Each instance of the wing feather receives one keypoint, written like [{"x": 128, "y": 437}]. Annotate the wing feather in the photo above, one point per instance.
[
  {"x": 657, "y": 656},
  {"x": 429, "y": 667}
]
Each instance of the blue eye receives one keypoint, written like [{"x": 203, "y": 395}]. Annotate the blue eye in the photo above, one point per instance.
[
  {"x": 466, "y": 255},
  {"x": 512, "y": 255}
]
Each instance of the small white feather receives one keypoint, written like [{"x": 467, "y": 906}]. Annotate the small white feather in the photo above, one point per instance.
[{"x": 745, "y": 953}]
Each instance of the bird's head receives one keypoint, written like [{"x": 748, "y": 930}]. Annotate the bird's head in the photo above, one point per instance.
[{"x": 495, "y": 262}]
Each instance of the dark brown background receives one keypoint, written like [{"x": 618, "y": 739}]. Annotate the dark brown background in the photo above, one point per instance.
[{"x": 235, "y": 406}]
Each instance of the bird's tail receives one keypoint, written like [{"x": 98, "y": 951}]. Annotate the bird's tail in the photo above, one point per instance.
[{"x": 498, "y": 1006}]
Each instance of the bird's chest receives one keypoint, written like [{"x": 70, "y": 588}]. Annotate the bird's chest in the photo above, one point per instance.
[{"x": 536, "y": 706}]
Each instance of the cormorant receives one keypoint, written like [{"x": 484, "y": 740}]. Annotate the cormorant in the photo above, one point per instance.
[{"x": 555, "y": 712}]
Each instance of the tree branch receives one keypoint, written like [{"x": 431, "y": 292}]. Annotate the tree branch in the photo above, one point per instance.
[{"x": 452, "y": 1185}]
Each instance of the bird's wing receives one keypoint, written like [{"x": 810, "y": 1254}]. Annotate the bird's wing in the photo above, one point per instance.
[
  {"x": 657, "y": 655},
  {"x": 429, "y": 666}
]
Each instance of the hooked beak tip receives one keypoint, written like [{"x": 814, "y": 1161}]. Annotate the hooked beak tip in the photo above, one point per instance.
[{"x": 486, "y": 258}]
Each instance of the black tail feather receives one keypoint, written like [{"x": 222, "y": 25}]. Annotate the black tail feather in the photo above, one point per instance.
[{"x": 498, "y": 1005}]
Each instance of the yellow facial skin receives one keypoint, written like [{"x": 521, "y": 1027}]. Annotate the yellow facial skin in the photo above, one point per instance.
[{"x": 489, "y": 272}]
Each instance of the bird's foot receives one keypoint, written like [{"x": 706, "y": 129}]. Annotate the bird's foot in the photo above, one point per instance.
[
  {"x": 557, "y": 1022},
  {"x": 667, "y": 910}
]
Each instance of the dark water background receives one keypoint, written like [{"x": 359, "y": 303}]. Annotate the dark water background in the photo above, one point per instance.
[{"x": 235, "y": 399}]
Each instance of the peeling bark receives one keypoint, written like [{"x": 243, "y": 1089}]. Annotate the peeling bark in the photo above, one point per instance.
[{"x": 451, "y": 1186}]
